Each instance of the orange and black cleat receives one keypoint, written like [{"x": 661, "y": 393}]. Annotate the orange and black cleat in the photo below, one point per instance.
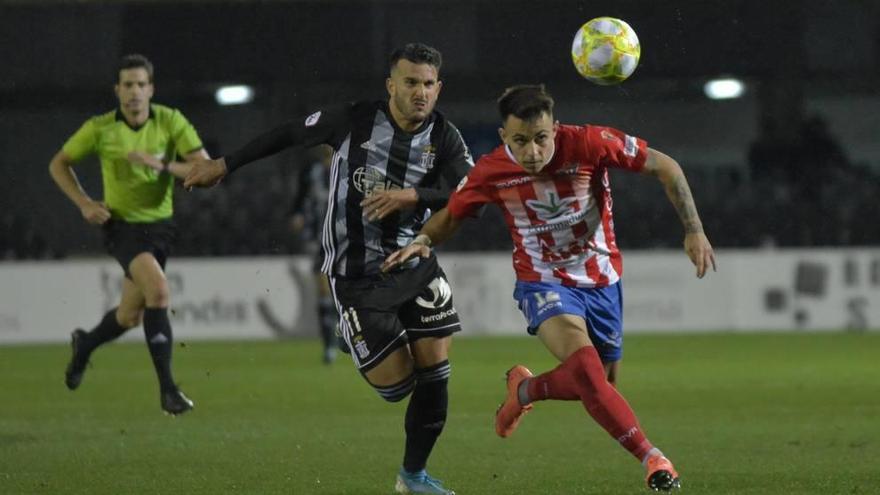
[
  {"x": 661, "y": 475},
  {"x": 510, "y": 411}
]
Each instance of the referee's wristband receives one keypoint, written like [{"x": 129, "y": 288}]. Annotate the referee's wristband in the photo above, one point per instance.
[{"x": 423, "y": 240}]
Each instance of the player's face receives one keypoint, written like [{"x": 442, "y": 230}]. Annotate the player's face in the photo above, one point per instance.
[
  {"x": 531, "y": 141},
  {"x": 413, "y": 90},
  {"x": 134, "y": 90}
]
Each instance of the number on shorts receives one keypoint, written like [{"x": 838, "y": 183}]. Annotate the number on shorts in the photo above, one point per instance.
[{"x": 351, "y": 319}]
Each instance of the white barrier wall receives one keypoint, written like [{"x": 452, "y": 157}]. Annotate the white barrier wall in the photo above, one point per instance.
[
  {"x": 752, "y": 290},
  {"x": 274, "y": 296},
  {"x": 210, "y": 298}
]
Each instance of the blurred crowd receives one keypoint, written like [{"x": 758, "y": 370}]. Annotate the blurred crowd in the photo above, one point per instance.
[{"x": 796, "y": 192}]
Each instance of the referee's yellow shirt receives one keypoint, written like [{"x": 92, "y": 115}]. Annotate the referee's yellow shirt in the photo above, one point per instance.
[{"x": 135, "y": 193}]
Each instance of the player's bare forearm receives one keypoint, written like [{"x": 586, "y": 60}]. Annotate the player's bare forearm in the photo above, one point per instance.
[
  {"x": 177, "y": 169},
  {"x": 677, "y": 189},
  {"x": 92, "y": 211},
  {"x": 65, "y": 178},
  {"x": 696, "y": 244},
  {"x": 181, "y": 169},
  {"x": 679, "y": 193},
  {"x": 440, "y": 226}
]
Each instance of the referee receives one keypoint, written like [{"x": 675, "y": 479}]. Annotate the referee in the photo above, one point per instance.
[{"x": 137, "y": 145}]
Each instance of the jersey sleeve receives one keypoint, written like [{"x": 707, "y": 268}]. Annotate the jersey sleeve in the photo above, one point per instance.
[
  {"x": 82, "y": 143},
  {"x": 184, "y": 135},
  {"x": 613, "y": 148},
  {"x": 470, "y": 195},
  {"x": 454, "y": 162},
  {"x": 328, "y": 126}
]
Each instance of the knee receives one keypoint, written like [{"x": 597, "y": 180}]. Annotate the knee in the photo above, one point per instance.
[
  {"x": 438, "y": 374},
  {"x": 398, "y": 391},
  {"x": 129, "y": 319},
  {"x": 157, "y": 295}
]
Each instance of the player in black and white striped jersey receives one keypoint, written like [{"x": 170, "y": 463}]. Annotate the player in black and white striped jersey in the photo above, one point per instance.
[{"x": 394, "y": 163}]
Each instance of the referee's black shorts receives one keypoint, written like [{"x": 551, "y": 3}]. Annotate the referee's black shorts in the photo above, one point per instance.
[
  {"x": 381, "y": 313},
  {"x": 124, "y": 240}
]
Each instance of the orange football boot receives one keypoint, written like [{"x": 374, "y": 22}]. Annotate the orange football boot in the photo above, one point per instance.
[
  {"x": 510, "y": 411},
  {"x": 661, "y": 476}
]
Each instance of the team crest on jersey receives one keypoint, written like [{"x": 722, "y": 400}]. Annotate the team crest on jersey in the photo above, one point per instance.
[
  {"x": 551, "y": 209},
  {"x": 608, "y": 136},
  {"x": 428, "y": 155},
  {"x": 368, "y": 180},
  {"x": 630, "y": 145},
  {"x": 313, "y": 119}
]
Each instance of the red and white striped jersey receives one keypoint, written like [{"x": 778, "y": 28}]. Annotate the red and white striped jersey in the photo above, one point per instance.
[{"x": 560, "y": 219}]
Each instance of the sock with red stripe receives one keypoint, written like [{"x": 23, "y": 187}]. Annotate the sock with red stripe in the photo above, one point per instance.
[{"x": 582, "y": 377}]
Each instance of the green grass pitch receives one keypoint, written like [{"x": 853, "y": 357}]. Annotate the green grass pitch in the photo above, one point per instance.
[{"x": 743, "y": 414}]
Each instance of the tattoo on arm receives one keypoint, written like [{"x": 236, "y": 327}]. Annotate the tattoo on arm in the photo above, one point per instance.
[{"x": 680, "y": 195}]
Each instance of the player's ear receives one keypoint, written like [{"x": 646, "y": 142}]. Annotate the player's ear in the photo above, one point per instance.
[
  {"x": 389, "y": 86},
  {"x": 502, "y": 135}
]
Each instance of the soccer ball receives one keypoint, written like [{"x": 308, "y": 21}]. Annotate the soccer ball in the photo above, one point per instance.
[{"x": 605, "y": 50}]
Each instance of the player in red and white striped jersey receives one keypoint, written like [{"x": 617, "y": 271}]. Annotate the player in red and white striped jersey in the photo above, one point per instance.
[
  {"x": 551, "y": 182},
  {"x": 560, "y": 218}
]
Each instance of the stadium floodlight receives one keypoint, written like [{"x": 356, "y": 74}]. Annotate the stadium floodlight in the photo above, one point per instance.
[
  {"x": 234, "y": 95},
  {"x": 724, "y": 89}
]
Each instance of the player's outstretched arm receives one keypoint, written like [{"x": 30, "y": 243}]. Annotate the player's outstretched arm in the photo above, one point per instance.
[
  {"x": 670, "y": 174},
  {"x": 440, "y": 227},
  {"x": 207, "y": 173}
]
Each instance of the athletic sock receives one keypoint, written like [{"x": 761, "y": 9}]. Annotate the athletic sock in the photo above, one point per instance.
[
  {"x": 426, "y": 415},
  {"x": 157, "y": 330},
  {"x": 327, "y": 321},
  {"x": 108, "y": 329},
  {"x": 582, "y": 376},
  {"x": 651, "y": 453},
  {"x": 556, "y": 384}
]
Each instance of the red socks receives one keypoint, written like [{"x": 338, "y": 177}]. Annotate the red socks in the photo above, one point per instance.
[{"x": 582, "y": 376}]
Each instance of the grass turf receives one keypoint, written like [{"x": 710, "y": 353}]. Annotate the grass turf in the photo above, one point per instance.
[{"x": 755, "y": 414}]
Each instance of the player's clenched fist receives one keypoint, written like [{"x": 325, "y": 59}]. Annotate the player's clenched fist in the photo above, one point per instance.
[{"x": 95, "y": 212}]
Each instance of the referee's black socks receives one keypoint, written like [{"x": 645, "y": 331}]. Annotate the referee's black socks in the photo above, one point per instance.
[
  {"x": 108, "y": 329},
  {"x": 426, "y": 414},
  {"x": 157, "y": 330}
]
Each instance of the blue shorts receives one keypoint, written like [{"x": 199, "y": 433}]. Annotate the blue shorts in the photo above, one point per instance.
[{"x": 601, "y": 308}]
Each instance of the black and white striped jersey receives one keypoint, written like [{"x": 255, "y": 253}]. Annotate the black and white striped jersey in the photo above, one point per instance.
[{"x": 371, "y": 154}]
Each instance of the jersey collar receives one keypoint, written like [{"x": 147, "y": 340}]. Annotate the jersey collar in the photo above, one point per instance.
[
  {"x": 549, "y": 163},
  {"x": 387, "y": 111},
  {"x": 120, "y": 117}
]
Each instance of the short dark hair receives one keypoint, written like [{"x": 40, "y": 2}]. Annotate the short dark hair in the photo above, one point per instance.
[
  {"x": 417, "y": 53},
  {"x": 525, "y": 101},
  {"x": 133, "y": 61}
]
